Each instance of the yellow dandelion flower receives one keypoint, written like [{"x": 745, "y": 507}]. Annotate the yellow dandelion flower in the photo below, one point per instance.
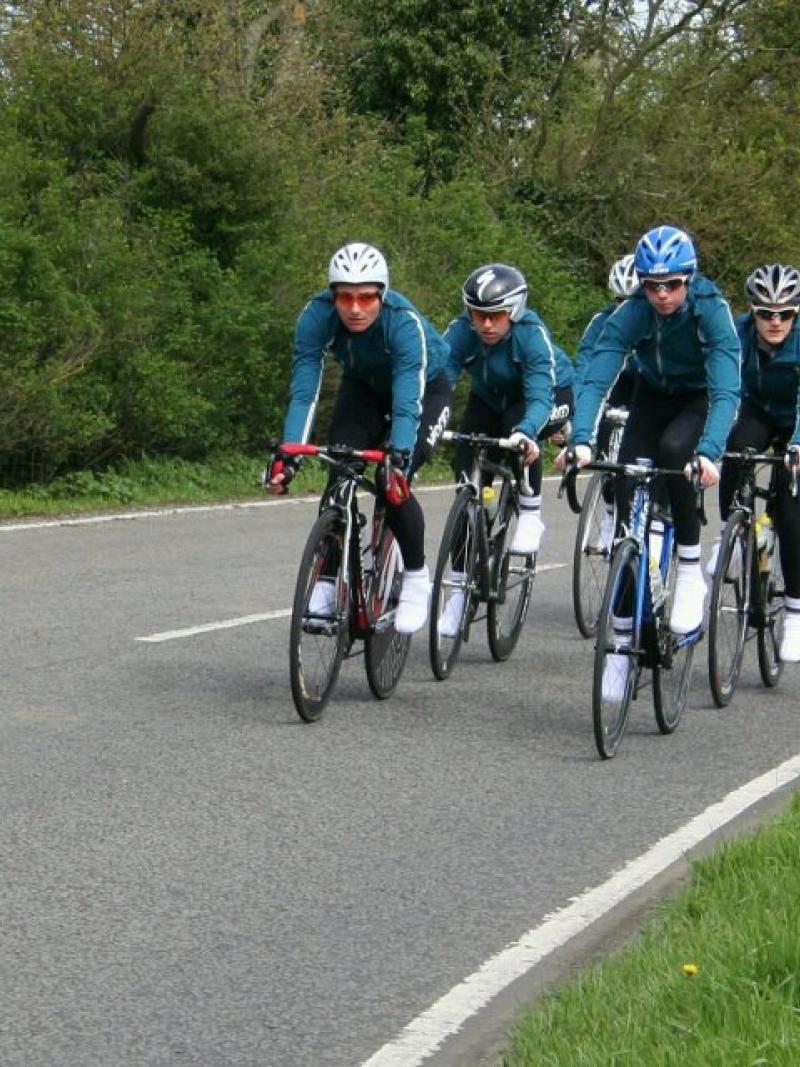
[{"x": 690, "y": 969}]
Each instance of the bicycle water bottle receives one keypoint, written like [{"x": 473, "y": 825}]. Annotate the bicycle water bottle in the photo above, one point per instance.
[
  {"x": 765, "y": 542},
  {"x": 365, "y": 538},
  {"x": 490, "y": 502}
]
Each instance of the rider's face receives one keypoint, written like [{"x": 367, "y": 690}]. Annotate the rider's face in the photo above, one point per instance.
[
  {"x": 490, "y": 326},
  {"x": 770, "y": 326},
  {"x": 358, "y": 306},
  {"x": 666, "y": 294}
]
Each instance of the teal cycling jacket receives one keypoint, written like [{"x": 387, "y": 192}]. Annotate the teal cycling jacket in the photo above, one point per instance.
[
  {"x": 396, "y": 356},
  {"x": 696, "y": 349},
  {"x": 588, "y": 343},
  {"x": 772, "y": 381},
  {"x": 525, "y": 364}
]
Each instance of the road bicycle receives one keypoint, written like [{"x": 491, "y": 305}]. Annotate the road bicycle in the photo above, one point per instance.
[
  {"x": 595, "y": 534},
  {"x": 640, "y": 587},
  {"x": 475, "y": 565},
  {"x": 747, "y": 594},
  {"x": 348, "y": 585}
]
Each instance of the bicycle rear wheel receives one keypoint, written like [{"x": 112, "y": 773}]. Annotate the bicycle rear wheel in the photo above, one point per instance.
[
  {"x": 729, "y": 609},
  {"x": 318, "y": 635},
  {"x": 610, "y": 710},
  {"x": 592, "y": 553},
  {"x": 672, "y": 673},
  {"x": 453, "y": 595},
  {"x": 385, "y": 650},
  {"x": 512, "y": 583},
  {"x": 770, "y": 629}
]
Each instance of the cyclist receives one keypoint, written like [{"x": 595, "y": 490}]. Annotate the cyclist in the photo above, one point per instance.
[
  {"x": 514, "y": 366},
  {"x": 623, "y": 281},
  {"x": 769, "y": 413},
  {"x": 687, "y": 349},
  {"x": 393, "y": 382}
]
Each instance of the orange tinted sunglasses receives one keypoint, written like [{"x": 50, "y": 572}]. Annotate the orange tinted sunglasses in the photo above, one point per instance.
[{"x": 364, "y": 300}]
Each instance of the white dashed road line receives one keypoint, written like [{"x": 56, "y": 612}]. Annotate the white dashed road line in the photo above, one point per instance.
[{"x": 246, "y": 620}]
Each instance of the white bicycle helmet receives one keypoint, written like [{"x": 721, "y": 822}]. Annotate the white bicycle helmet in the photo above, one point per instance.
[
  {"x": 358, "y": 264},
  {"x": 623, "y": 279},
  {"x": 774, "y": 284}
]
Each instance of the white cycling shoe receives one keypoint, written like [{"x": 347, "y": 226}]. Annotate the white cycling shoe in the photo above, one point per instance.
[
  {"x": 412, "y": 607},
  {"x": 690, "y": 598},
  {"x": 528, "y": 534},
  {"x": 790, "y": 642},
  {"x": 323, "y": 598},
  {"x": 615, "y": 676},
  {"x": 605, "y": 537},
  {"x": 449, "y": 623}
]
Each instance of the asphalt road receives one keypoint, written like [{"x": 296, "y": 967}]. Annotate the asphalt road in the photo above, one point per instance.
[{"x": 193, "y": 876}]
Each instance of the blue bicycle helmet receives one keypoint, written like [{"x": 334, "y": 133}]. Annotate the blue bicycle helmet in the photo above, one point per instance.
[{"x": 665, "y": 250}]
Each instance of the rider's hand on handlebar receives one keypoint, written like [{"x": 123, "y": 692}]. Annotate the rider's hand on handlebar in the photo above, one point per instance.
[
  {"x": 528, "y": 448},
  {"x": 707, "y": 471},
  {"x": 574, "y": 455},
  {"x": 275, "y": 479}
]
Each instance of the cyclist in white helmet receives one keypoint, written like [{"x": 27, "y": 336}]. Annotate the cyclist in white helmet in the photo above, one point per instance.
[
  {"x": 393, "y": 371},
  {"x": 623, "y": 281},
  {"x": 769, "y": 412}
]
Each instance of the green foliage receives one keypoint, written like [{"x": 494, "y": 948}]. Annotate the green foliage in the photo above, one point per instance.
[{"x": 174, "y": 177}]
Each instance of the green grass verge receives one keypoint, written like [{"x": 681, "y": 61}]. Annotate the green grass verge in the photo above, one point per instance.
[
  {"x": 153, "y": 482},
  {"x": 739, "y": 925}
]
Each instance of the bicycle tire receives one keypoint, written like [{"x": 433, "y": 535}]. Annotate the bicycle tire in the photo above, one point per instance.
[
  {"x": 771, "y": 618},
  {"x": 610, "y": 717},
  {"x": 443, "y": 649},
  {"x": 385, "y": 650},
  {"x": 671, "y": 683},
  {"x": 316, "y": 646},
  {"x": 729, "y": 608},
  {"x": 512, "y": 582},
  {"x": 590, "y": 560}
]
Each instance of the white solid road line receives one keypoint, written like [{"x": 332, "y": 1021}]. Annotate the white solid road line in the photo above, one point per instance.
[
  {"x": 428, "y": 1032},
  {"x": 246, "y": 620},
  {"x": 188, "y": 509},
  {"x": 224, "y": 624}
]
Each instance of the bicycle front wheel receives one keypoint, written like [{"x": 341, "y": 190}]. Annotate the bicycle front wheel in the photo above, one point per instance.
[
  {"x": 320, "y": 623},
  {"x": 672, "y": 672},
  {"x": 454, "y": 593},
  {"x": 593, "y": 543},
  {"x": 512, "y": 582},
  {"x": 616, "y": 666},
  {"x": 729, "y": 609},
  {"x": 385, "y": 650},
  {"x": 770, "y": 628}
]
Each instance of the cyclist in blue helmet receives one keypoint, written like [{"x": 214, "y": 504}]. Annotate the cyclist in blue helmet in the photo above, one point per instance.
[
  {"x": 680, "y": 328},
  {"x": 770, "y": 411},
  {"x": 394, "y": 384}
]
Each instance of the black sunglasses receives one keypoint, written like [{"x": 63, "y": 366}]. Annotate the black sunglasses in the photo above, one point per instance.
[
  {"x": 672, "y": 285},
  {"x": 767, "y": 314}
]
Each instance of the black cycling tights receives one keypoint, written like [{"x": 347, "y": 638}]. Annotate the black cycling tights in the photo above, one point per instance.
[
  {"x": 361, "y": 419},
  {"x": 755, "y": 429},
  {"x": 666, "y": 429}
]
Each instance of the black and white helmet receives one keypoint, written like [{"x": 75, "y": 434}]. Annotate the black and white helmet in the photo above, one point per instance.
[
  {"x": 774, "y": 284},
  {"x": 623, "y": 279},
  {"x": 496, "y": 287},
  {"x": 358, "y": 264}
]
